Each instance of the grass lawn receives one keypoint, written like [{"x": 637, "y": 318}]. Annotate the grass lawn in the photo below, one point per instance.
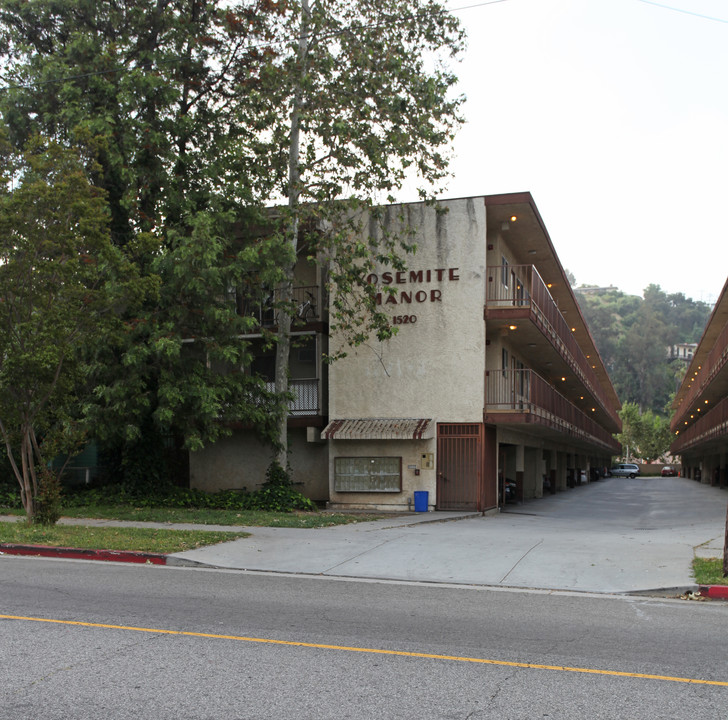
[
  {"x": 107, "y": 538},
  {"x": 709, "y": 571},
  {"x": 248, "y": 518},
  {"x": 158, "y": 540}
]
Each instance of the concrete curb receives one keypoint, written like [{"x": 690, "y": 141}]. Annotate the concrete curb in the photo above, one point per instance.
[
  {"x": 129, "y": 556},
  {"x": 715, "y": 592},
  {"x": 664, "y": 592}
]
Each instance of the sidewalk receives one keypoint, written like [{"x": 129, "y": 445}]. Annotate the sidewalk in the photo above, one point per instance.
[{"x": 615, "y": 536}]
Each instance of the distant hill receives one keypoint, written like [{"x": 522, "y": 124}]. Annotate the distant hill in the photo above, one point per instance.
[{"x": 634, "y": 335}]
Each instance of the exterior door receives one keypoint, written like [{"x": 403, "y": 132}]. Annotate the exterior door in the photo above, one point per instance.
[{"x": 460, "y": 466}]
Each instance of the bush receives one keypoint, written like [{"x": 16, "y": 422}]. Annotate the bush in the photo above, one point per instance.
[
  {"x": 277, "y": 494},
  {"x": 10, "y": 497},
  {"x": 48, "y": 500}
]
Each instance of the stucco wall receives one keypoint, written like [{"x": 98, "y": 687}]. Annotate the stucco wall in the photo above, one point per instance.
[
  {"x": 411, "y": 453},
  {"x": 240, "y": 461},
  {"x": 434, "y": 366}
]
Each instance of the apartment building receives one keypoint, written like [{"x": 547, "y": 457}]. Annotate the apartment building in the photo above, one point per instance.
[
  {"x": 700, "y": 409},
  {"x": 492, "y": 381}
]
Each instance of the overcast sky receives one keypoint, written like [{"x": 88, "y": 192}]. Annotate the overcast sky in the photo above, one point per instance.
[{"x": 614, "y": 115}]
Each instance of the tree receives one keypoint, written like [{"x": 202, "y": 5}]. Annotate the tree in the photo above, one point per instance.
[
  {"x": 195, "y": 112},
  {"x": 656, "y": 437},
  {"x": 58, "y": 283},
  {"x": 151, "y": 88},
  {"x": 634, "y": 335},
  {"x": 644, "y": 435},
  {"x": 184, "y": 364},
  {"x": 358, "y": 101},
  {"x": 151, "y": 92},
  {"x": 642, "y": 371},
  {"x": 630, "y": 435}
]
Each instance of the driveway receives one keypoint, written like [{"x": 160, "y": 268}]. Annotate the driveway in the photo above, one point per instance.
[{"x": 614, "y": 536}]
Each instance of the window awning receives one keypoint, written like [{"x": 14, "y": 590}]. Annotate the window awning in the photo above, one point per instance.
[{"x": 380, "y": 429}]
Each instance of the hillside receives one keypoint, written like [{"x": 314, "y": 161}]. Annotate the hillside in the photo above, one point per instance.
[{"x": 633, "y": 335}]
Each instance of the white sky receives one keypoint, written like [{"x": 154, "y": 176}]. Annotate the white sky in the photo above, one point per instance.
[{"x": 614, "y": 115}]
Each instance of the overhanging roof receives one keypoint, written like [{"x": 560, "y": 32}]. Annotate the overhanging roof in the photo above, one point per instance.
[
  {"x": 530, "y": 238},
  {"x": 379, "y": 429}
]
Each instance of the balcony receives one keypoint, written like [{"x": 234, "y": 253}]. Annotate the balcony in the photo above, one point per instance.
[
  {"x": 712, "y": 426},
  {"x": 524, "y": 397},
  {"x": 517, "y": 292},
  {"x": 307, "y": 307},
  {"x": 306, "y": 400},
  {"x": 700, "y": 383}
]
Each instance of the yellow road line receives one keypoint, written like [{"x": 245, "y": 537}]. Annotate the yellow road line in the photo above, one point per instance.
[{"x": 373, "y": 651}]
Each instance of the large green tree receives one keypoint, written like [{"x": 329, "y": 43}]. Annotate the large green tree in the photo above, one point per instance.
[
  {"x": 360, "y": 100},
  {"x": 151, "y": 87},
  {"x": 645, "y": 436},
  {"x": 151, "y": 90},
  {"x": 60, "y": 281},
  {"x": 198, "y": 114}
]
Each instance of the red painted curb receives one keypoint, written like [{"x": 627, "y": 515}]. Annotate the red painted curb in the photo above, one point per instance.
[
  {"x": 130, "y": 556},
  {"x": 715, "y": 591}
]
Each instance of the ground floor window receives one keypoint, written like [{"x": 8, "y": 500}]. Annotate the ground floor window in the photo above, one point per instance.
[{"x": 368, "y": 474}]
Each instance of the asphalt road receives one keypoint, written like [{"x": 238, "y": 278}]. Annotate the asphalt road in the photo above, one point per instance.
[{"x": 100, "y": 640}]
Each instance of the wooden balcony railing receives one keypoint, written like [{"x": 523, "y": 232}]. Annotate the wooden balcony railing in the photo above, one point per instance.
[
  {"x": 522, "y": 286},
  {"x": 514, "y": 392},
  {"x": 715, "y": 361},
  {"x": 711, "y": 426},
  {"x": 306, "y": 396}
]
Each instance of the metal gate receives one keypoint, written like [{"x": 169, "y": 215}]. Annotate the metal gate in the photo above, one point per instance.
[{"x": 460, "y": 466}]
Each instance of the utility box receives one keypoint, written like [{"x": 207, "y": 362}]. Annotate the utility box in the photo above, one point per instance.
[{"x": 428, "y": 461}]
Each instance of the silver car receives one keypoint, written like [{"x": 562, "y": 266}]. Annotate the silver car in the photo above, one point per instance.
[{"x": 629, "y": 470}]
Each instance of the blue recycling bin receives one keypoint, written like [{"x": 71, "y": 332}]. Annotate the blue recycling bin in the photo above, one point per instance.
[{"x": 421, "y": 500}]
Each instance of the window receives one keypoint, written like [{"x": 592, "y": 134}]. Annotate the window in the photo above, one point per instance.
[
  {"x": 504, "y": 361},
  {"x": 368, "y": 474},
  {"x": 504, "y": 272}
]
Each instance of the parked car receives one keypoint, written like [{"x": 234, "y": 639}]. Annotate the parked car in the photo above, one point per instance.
[
  {"x": 668, "y": 471},
  {"x": 625, "y": 470}
]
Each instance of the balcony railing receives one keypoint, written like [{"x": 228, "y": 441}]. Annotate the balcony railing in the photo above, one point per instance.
[
  {"x": 715, "y": 361},
  {"x": 526, "y": 392},
  {"x": 521, "y": 286},
  {"x": 306, "y": 306},
  {"x": 711, "y": 426},
  {"x": 306, "y": 396}
]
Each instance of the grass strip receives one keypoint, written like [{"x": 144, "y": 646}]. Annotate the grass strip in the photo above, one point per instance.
[
  {"x": 709, "y": 571},
  {"x": 207, "y": 516},
  {"x": 107, "y": 538}
]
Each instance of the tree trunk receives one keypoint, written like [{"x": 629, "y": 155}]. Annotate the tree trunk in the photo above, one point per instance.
[
  {"x": 283, "y": 351},
  {"x": 285, "y": 289}
]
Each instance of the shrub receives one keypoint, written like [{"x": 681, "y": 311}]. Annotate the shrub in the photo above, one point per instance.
[
  {"x": 278, "y": 494},
  {"x": 48, "y": 500},
  {"x": 10, "y": 497}
]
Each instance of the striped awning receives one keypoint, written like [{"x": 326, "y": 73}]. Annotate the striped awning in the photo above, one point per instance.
[{"x": 380, "y": 429}]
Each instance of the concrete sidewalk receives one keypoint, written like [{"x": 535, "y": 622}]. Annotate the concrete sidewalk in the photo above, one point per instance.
[{"x": 615, "y": 536}]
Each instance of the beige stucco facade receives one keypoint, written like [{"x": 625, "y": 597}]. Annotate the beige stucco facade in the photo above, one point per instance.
[
  {"x": 442, "y": 295},
  {"x": 433, "y": 367},
  {"x": 241, "y": 460},
  {"x": 492, "y": 365}
]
